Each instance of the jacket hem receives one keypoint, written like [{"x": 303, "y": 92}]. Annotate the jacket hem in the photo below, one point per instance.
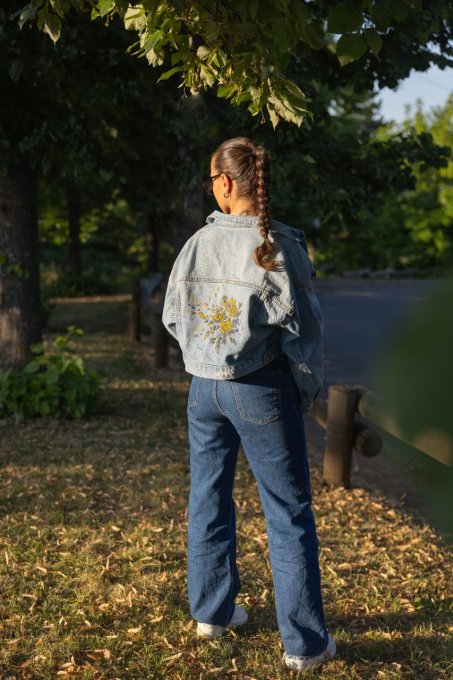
[{"x": 216, "y": 372}]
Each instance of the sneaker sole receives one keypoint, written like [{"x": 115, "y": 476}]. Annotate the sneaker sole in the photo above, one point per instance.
[
  {"x": 311, "y": 662},
  {"x": 241, "y": 619}
]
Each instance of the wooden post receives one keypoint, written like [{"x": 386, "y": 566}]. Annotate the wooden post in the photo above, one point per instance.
[
  {"x": 136, "y": 313},
  {"x": 364, "y": 440},
  {"x": 341, "y": 407},
  {"x": 160, "y": 342}
]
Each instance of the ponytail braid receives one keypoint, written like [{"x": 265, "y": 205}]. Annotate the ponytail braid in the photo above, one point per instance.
[
  {"x": 248, "y": 164},
  {"x": 264, "y": 254}
]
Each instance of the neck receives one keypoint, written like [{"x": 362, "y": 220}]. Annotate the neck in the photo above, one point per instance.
[{"x": 243, "y": 207}]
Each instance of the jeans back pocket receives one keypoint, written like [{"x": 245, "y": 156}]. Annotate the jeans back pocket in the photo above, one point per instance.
[{"x": 258, "y": 396}]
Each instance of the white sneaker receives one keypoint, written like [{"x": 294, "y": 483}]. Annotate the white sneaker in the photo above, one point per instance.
[
  {"x": 299, "y": 663},
  {"x": 211, "y": 631}
]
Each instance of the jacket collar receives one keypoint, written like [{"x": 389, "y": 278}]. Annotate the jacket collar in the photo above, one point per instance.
[{"x": 224, "y": 220}]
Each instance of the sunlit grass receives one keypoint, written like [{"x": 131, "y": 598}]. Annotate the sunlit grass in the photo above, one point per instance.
[{"x": 92, "y": 555}]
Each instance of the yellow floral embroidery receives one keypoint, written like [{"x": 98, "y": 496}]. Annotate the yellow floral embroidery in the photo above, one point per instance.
[
  {"x": 231, "y": 306},
  {"x": 226, "y": 326},
  {"x": 220, "y": 323}
]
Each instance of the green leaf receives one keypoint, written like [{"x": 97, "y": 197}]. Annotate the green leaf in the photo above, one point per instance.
[
  {"x": 245, "y": 30},
  {"x": 60, "y": 7},
  {"x": 203, "y": 52},
  {"x": 226, "y": 90},
  {"x": 373, "y": 39},
  {"x": 313, "y": 34},
  {"x": 105, "y": 7},
  {"x": 207, "y": 75},
  {"x": 52, "y": 377},
  {"x": 152, "y": 40},
  {"x": 37, "y": 348},
  {"x": 350, "y": 47},
  {"x": 134, "y": 18},
  {"x": 301, "y": 12},
  {"x": 26, "y": 13},
  {"x": 399, "y": 9},
  {"x": 282, "y": 34},
  {"x": 79, "y": 363},
  {"x": 212, "y": 31},
  {"x": 171, "y": 72},
  {"x": 272, "y": 115},
  {"x": 52, "y": 26},
  {"x": 288, "y": 107},
  {"x": 122, "y": 6},
  {"x": 381, "y": 14},
  {"x": 61, "y": 341},
  {"x": 73, "y": 330},
  {"x": 32, "y": 367},
  {"x": 343, "y": 19}
]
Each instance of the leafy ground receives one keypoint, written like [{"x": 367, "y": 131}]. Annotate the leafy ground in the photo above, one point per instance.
[{"x": 93, "y": 527}]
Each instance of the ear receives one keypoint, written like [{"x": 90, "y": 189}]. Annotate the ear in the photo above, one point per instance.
[{"x": 227, "y": 183}]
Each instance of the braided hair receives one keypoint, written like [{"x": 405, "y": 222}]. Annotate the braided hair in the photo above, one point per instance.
[{"x": 249, "y": 164}]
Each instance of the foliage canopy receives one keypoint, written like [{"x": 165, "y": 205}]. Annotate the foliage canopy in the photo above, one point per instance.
[{"x": 244, "y": 47}]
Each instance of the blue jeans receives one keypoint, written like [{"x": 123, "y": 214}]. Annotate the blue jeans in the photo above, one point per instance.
[{"x": 260, "y": 410}]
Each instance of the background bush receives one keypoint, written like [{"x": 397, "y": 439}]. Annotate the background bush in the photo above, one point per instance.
[{"x": 55, "y": 384}]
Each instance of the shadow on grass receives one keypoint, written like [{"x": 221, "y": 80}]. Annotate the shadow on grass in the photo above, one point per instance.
[{"x": 94, "y": 539}]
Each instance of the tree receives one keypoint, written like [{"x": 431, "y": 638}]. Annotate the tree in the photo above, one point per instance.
[
  {"x": 244, "y": 47},
  {"x": 417, "y": 224},
  {"x": 339, "y": 171},
  {"x": 66, "y": 130}
]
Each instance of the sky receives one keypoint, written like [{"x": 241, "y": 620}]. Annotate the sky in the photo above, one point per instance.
[{"x": 432, "y": 86}]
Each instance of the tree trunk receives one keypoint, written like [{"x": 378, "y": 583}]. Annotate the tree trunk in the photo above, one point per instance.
[
  {"x": 20, "y": 314},
  {"x": 74, "y": 254}
]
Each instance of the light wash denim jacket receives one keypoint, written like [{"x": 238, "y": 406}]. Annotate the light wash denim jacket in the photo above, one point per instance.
[{"x": 231, "y": 316}]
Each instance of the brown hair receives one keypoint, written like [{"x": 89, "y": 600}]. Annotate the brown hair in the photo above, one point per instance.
[{"x": 249, "y": 164}]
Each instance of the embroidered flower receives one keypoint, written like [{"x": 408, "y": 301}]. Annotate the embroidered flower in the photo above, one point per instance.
[
  {"x": 231, "y": 306},
  {"x": 220, "y": 322},
  {"x": 226, "y": 326}
]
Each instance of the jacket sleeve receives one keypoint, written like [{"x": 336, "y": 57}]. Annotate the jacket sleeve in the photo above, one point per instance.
[
  {"x": 169, "y": 310},
  {"x": 302, "y": 342},
  {"x": 171, "y": 301}
]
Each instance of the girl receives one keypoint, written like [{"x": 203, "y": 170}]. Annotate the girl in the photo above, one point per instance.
[{"x": 241, "y": 304}]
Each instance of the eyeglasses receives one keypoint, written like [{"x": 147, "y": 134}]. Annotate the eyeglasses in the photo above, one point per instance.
[{"x": 208, "y": 182}]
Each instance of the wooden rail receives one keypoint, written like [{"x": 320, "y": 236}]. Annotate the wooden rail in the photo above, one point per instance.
[{"x": 344, "y": 432}]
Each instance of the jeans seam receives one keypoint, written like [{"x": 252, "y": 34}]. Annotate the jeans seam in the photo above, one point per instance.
[
  {"x": 214, "y": 396},
  {"x": 194, "y": 402},
  {"x": 238, "y": 403}
]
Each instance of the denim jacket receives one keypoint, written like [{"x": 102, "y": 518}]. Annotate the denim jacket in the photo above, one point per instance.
[{"x": 231, "y": 316}]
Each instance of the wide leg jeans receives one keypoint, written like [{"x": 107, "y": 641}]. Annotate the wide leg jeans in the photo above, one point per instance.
[{"x": 261, "y": 410}]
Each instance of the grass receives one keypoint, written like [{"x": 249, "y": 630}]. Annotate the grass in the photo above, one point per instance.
[{"x": 93, "y": 530}]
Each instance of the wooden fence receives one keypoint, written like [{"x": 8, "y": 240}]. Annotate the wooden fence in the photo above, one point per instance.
[
  {"x": 353, "y": 417},
  {"x": 147, "y": 298}
]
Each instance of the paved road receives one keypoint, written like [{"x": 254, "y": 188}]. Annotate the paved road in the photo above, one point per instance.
[{"x": 361, "y": 317}]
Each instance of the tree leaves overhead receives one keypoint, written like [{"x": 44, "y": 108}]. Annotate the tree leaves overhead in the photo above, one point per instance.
[
  {"x": 373, "y": 40},
  {"x": 345, "y": 17},
  {"x": 242, "y": 47},
  {"x": 350, "y": 47}
]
